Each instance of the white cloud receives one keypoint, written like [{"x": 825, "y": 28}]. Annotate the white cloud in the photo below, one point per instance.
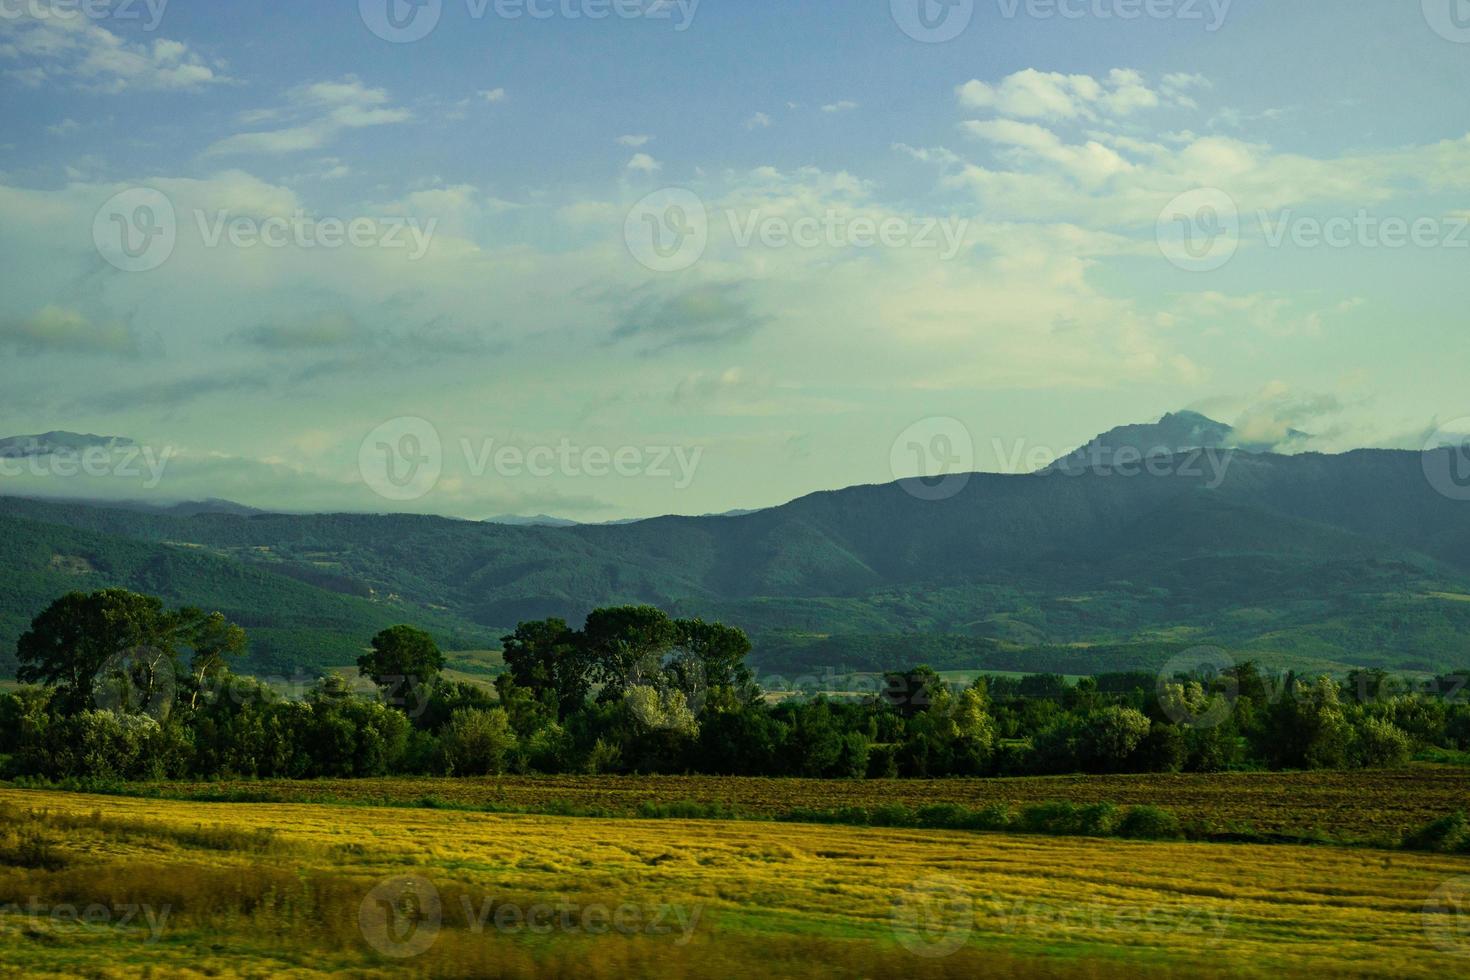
[
  {"x": 842, "y": 106},
  {"x": 74, "y": 51},
  {"x": 1032, "y": 94},
  {"x": 758, "y": 121},
  {"x": 634, "y": 141},
  {"x": 1090, "y": 164},
  {"x": 321, "y": 110},
  {"x": 932, "y": 154},
  {"x": 492, "y": 95},
  {"x": 643, "y": 163}
]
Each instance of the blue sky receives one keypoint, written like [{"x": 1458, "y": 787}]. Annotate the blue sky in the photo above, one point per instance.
[{"x": 520, "y": 159}]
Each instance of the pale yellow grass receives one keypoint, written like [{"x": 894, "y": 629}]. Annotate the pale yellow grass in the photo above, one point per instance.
[{"x": 771, "y": 899}]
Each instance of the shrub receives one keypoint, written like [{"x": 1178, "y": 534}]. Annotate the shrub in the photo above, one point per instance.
[
  {"x": 997, "y": 816},
  {"x": 604, "y": 757},
  {"x": 1149, "y": 823},
  {"x": 1097, "y": 819},
  {"x": 1445, "y": 835},
  {"x": 943, "y": 815},
  {"x": 1380, "y": 744},
  {"x": 1047, "y": 818},
  {"x": 891, "y": 815},
  {"x": 477, "y": 742}
]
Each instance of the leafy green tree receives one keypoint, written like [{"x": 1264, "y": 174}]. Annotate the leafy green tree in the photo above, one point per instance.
[
  {"x": 626, "y": 645},
  {"x": 1379, "y": 744},
  {"x": 661, "y": 710},
  {"x": 548, "y": 658},
  {"x": 1164, "y": 750},
  {"x": 215, "y": 642},
  {"x": 527, "y": 712},
  {"x": 1306, "y": 728},
  {"x": 80, "y": 637},
  {"x": 1113, "y": 733},
  {"x": 403, "y": 663},
  {"x": 912, "y": 691},
  {"x": 347, "y": 736},
  {"x": 447, "y": 697},
  {"x": 746, "y": 741},
  {"x": 712, "y": 655}
]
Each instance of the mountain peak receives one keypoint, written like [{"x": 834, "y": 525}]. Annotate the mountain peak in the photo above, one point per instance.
[{"x": 1175, "y": 432}]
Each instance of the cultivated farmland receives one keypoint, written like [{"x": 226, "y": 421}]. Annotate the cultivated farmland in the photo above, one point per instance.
[
  {"x": 269, "y": 889},
  {"x": 1346, "y": 806}
]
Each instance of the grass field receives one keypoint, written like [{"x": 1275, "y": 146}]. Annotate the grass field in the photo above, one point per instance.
[
  {"x": 1350, "y": 806},
  {"x": 293, "y": 890}
]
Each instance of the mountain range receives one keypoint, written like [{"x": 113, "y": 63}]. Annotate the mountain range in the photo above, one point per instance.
[{"x": 1307, "y": 560}]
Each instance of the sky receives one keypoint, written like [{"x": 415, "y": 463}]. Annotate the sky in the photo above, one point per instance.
[{"x": 614, "y": 258}]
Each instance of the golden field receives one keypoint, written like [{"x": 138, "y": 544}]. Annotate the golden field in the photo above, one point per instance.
[
  {"x": 1353, "y": 806},
  {"x": 264, "y": 889}
]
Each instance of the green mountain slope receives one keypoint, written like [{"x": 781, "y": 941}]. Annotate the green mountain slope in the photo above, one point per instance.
[
  {"x": 1321, "y": 557},
  {"x": 292, "y": 626}
]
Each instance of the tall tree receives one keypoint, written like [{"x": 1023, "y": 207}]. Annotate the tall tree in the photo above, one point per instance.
[
  {"x": 547, "y": 658},
  {"x": 715, "y": 652},
  {"x": 114, "y": 638},
  {"x": 403, "y": 662},
  {"x": 215, "y": 640},
  {"x": 626, "y": 646}
]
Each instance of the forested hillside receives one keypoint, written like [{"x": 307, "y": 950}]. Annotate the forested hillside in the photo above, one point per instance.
[{"x": 1352, "y": 558}]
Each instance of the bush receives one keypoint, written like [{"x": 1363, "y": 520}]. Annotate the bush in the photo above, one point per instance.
[
  {"x": 950, "y": 816},
  {"x": 1047, "y": 818},
  {"x": 604, "y": 757},
  {"x": 891, "y": 815},
  {"x": 1445, "y": 835},
  {"x": 997, "y": 816},
  {"x": 1379, "y": 744},
  {"x": 1149, "y": 823},
  {"x": 477, "y": 742}
]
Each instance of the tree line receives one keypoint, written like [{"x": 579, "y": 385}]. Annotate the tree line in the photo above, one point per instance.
[{"x": 124, "y": 688}]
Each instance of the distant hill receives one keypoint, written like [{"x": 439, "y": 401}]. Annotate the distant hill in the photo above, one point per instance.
[
  {"x": 538, "y": 520},
  {"x": 53, "y": 443},
  {"x": 294, "y": 625},
  {"x": 1306, "y": 559}
]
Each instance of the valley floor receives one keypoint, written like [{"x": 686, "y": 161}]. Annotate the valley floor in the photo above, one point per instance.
[{"x": 119, "y": 886}]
